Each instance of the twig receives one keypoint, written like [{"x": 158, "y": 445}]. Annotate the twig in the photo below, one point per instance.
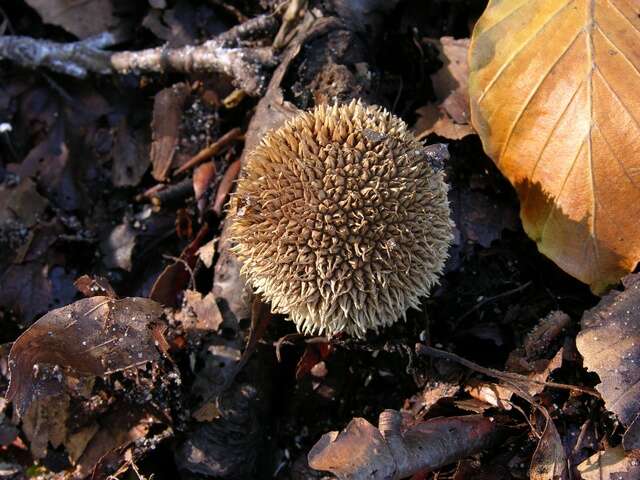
[
  {"x": 187, "y": 267},
  {"x": 225, "y": 187},
  {"x": 6, "y": 23},
  {"x": 281, "y": 341},
  {"x": 241, "y": 17},
  {"x": 507, "y": 377},
  {"x": 75, "y": 59},
  {"x": 173, "y": 193},
  {"x": 208, "y": 152},
  {"x": 229, "y": 53},
  {"x": 581, "y": 437},
  {"x": 493, "y": 299},
  {"x": 292, "y": 15},
  {"x": 150, "y": 192}
]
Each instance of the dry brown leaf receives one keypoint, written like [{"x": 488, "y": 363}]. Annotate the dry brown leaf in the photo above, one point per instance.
[
  {"x": 94, "y": 286},
  {"x": 165, "y": 126},
  {"x": 130, "y": 156},
  {"x": 432, "y": 393},
  {"x": 362, "y": 451},
  {"x": 359, "y": 451},
  {"x": 553, "y": 90},
  {"x": 203, "y": 177},
  {"x": 121, "y": 427},
  {"x": 531, "y": 359},
  {"x": 548, "y": 329},
  {"x": 205, "y": 316},
  {"x": 451, "y": 82},
  {"x": 207, "y": 252},
  {"x": 77, "y": 442},
  {"x": 549, "y": 461},
  {"x": 45, "y": 421},
  {"x": 35, "y": 282},
  {"x": 21, "y": 203},
  {"x": 225, "y": 186},
  {"x": 435, "y": 119},
  {"x": 610, "y": 464},
  {"x": 490, "y": 393},
  {"x": 93, "y": 336},
  {"x": 83, "y": 18},
  {"x": 450, "y": 117},
  {"x": 175, "y": 277},
  {"x": 610, "y": 345},
  {"x": 546, "y": 367}
]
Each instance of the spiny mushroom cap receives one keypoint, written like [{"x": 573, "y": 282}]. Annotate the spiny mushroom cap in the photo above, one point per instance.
[{"x": 341, "y": 221}]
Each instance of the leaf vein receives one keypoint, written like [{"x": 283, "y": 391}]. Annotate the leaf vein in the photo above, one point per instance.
[
  {"x": 631, "y": 389},
  {"x": 619, "y": 10},
  {"x": 594, "y": 203},
  {"x": 506, "y": 17},
  {"x": 614, "y": 45},
  {"x": 622, "y": 166},
  {"x": 508, "y": 62},
  {"x": 533, "y": 94},
  {"x": 555, "y": 125},
  {"x": 618, "y": 98},
  {"x": 615, "y": 224},
  {"x": 564, "y": 183}
]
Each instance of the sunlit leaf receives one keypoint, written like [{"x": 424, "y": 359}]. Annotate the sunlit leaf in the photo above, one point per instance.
[{"x": 554, "y": 96}]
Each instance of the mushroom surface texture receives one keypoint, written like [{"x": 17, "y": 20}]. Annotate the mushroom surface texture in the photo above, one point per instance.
[{"x": 341, "y": 221}]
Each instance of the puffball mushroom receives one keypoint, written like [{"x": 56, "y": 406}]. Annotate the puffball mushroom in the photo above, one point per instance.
[{"x": 341, "y": 222}]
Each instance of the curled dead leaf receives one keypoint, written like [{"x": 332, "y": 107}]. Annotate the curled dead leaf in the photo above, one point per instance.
[
  {"x": 362, "y": 451},
  {"x": 201, "y": 313},
  {"x": 549, "y": 461},
  {"x": 21, "y": 203},
  {"x": 94, "y": 286}
]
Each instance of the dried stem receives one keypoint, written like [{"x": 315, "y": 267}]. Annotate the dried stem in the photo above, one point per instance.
[
  {"x": 208, "y": 152},
  {"x": 513, "y": 379}
]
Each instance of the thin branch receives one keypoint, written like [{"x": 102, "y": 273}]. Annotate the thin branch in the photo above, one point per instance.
[
  {"x": 74, "y": 59},
  {"x": 208, "y": 152},
  {"x": 493, "y": 299},
  {"x": 507, "y": 377},
  {"x": 230, "y": 53}
]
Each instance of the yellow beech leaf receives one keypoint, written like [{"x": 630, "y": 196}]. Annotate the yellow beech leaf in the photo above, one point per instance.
[{"x": 555, "y": 96}]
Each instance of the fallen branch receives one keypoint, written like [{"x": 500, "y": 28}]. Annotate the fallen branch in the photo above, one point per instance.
[{"x": 229, "y": 53}]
